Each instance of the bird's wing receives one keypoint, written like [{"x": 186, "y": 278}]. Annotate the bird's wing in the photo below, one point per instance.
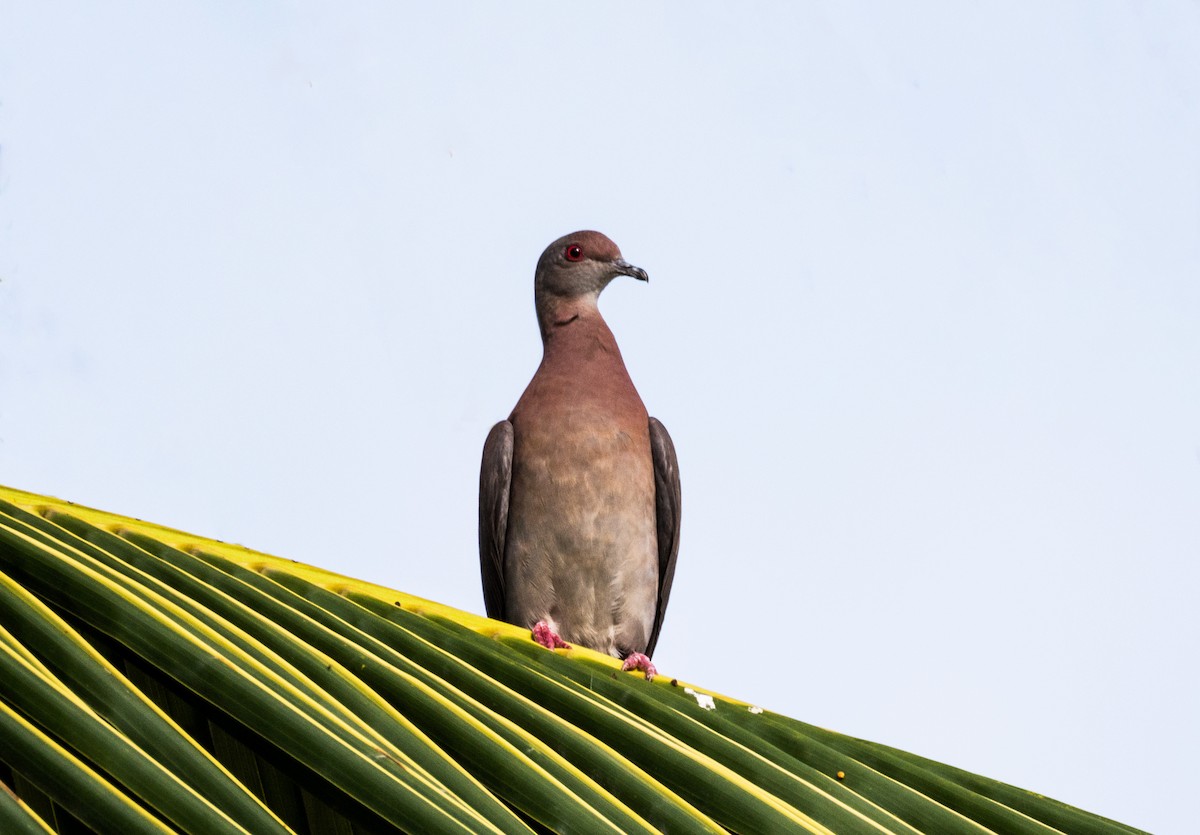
[
  {"x": 667, "y": 503},
  {"x": 495, "y": 475}
]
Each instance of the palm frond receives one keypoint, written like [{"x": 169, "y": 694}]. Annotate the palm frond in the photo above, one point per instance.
[{"x": 155, "y": 681}]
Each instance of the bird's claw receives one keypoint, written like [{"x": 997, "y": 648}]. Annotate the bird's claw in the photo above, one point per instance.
[
  {"x": 547, "y": 637},
  {"x": 639, "y": 661}
]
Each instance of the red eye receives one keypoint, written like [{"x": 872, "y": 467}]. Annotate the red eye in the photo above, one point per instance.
[{"x": 574, "y": 252}]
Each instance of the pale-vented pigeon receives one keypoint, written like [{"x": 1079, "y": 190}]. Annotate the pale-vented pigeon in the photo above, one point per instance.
[{"x": 579, "y": 489}]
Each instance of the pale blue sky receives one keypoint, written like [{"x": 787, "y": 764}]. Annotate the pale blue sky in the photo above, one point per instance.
[{"x": 923, "y": 321}]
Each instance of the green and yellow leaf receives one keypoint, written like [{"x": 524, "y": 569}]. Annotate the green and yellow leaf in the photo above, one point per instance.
[{"x": 155, "y": 681}]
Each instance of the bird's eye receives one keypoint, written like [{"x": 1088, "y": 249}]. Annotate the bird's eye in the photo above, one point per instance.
[{"x": 574, "y": 252}]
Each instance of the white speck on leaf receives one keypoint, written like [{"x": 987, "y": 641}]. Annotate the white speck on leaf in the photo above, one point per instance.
[
  {"x": 703, "y": 699},
  {"x": 755, "y": 709}
]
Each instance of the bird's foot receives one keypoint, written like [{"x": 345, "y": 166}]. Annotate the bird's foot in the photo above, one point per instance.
[
  {"x": 545, "y": 635},
  {"x": 638, "y": 661}
]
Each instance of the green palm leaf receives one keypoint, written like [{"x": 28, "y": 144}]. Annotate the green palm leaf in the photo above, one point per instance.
[{"x": 153, "y": 681}]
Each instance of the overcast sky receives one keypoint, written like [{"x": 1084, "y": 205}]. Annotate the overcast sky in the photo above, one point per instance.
[{"x": 923, "y": 321}]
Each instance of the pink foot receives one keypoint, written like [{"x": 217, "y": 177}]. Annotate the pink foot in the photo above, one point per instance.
[
  {"x": 638, "y": 661},
  {"x": 547, "y": 637}
]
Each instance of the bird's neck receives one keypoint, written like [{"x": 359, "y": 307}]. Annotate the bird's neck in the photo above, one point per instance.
[
  {"x": 560, "y": 316},
  {"x": 573, "y": 330}
]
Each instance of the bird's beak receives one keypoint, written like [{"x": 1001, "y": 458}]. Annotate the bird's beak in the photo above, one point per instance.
[{"x": 623, "y": 267}]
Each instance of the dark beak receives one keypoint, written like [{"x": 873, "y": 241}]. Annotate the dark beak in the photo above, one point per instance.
[{"x": 623, "y": 267}]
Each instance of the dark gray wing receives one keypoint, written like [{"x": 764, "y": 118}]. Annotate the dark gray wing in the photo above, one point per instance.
[
  {"x": 667, "y": 504},
  {"x": 495, "y": 474}
]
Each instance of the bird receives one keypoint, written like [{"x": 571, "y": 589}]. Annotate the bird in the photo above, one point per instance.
[{"x": 579, "y": 495}]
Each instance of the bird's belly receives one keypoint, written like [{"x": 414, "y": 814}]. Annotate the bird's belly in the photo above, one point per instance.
[{"x": 581, "y": 551}]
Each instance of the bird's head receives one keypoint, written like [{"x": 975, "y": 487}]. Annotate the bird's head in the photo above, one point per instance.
[{"x": 581, "y": 265}]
